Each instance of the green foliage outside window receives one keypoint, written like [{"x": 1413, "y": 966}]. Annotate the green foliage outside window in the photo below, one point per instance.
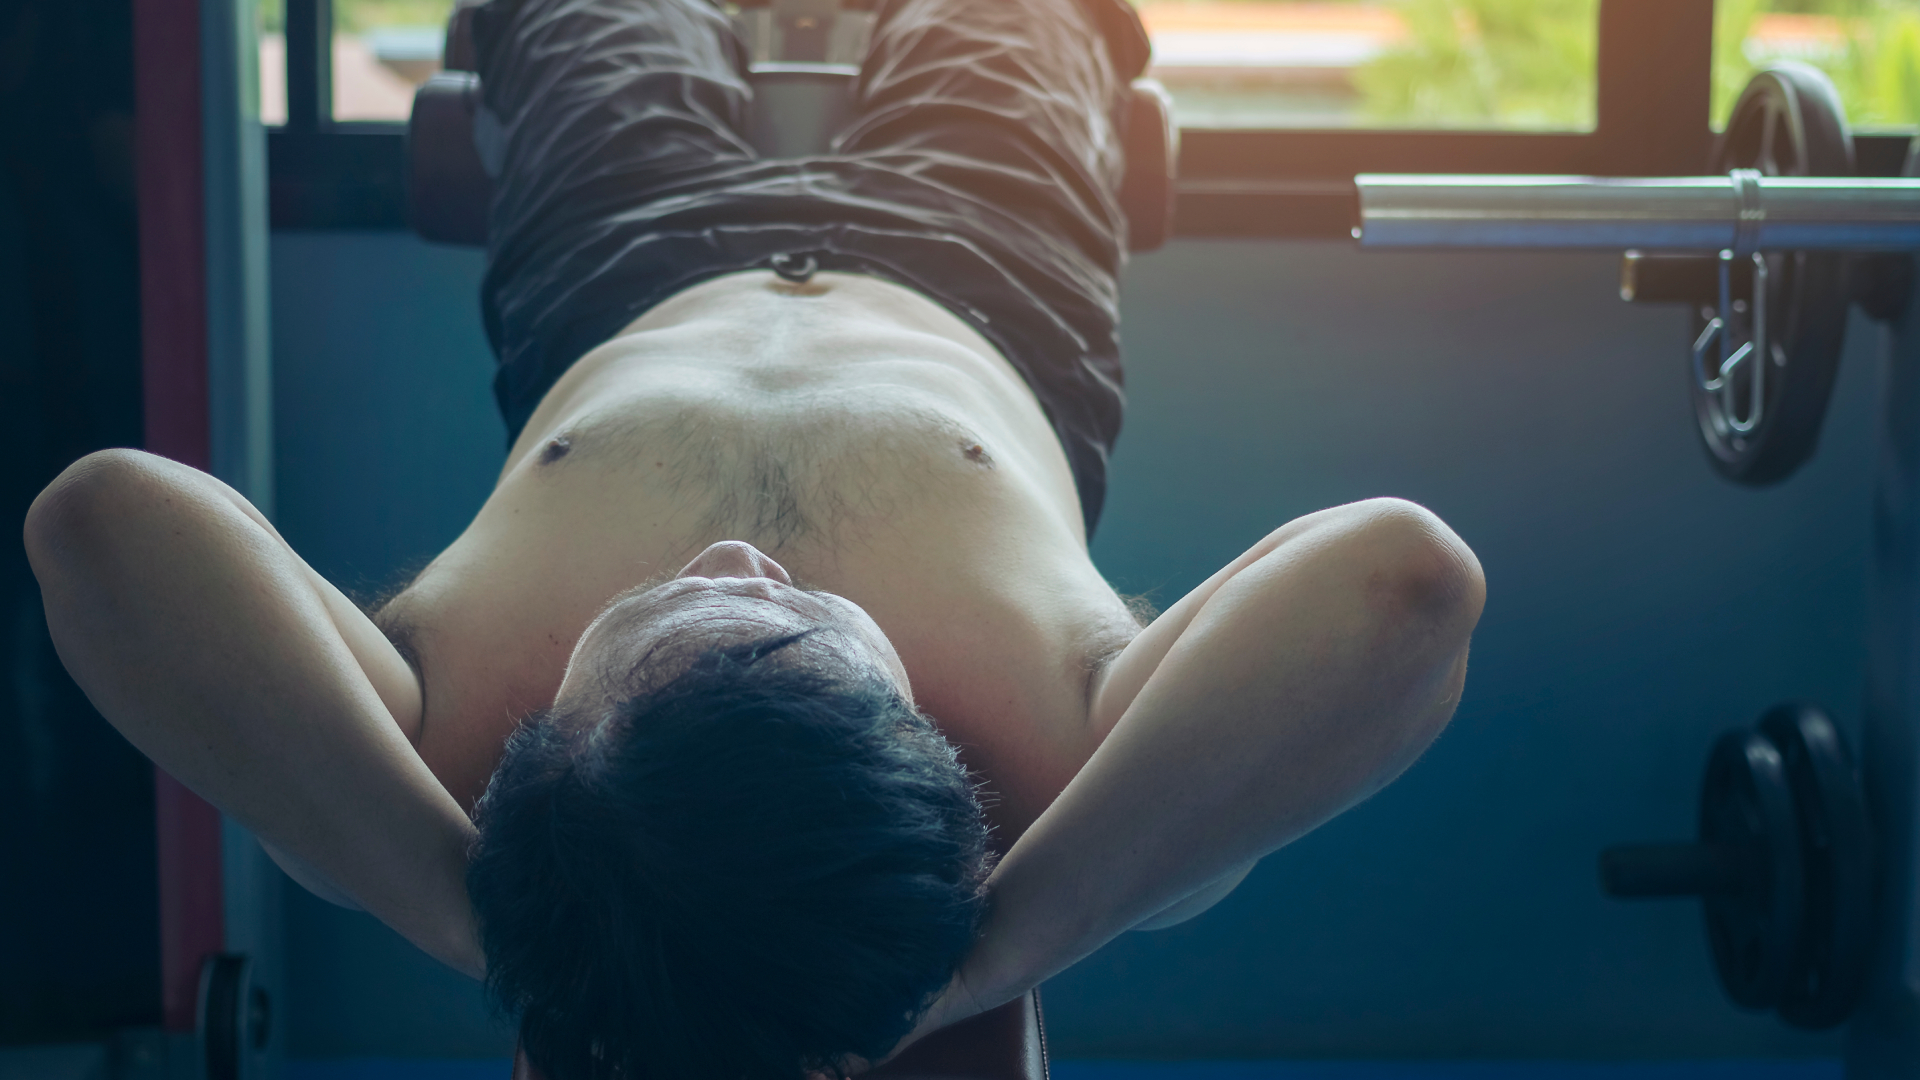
[
  {"x": 1487, "y": 63},
  {"x": 1875, "y": 65},
  {"x": 1531, "y": 63},
  {"x": 354, "y": 16}
]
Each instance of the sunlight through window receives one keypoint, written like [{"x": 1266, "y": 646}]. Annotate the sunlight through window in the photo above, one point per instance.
[{"x": 1486, "y": 64}]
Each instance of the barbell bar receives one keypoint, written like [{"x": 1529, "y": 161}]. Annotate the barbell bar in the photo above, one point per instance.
[{"x": 1742, "y": 212}]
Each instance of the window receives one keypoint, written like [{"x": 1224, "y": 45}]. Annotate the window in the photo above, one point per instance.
[
  {"x": 272, "y": 18},
  {"x": 381, "y": 51},
  {"x": 1870, "y": 48},
  {"x": 1480, "y": 64},
  {"x": 1280, "y": 102}
]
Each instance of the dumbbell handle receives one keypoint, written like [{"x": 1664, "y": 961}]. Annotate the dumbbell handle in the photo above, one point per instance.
[
  {"x": 1742, "y": 211},
  {"x": 1633, "y": 871}
]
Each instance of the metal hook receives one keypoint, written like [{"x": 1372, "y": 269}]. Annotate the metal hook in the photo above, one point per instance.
[{"x": 1758, "y": 348}]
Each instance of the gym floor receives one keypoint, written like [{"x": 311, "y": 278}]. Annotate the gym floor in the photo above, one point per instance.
[{"x": 396, "y": 1069}]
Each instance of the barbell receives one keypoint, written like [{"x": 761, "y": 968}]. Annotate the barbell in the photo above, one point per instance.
[{"x": 1769, "y": 252}]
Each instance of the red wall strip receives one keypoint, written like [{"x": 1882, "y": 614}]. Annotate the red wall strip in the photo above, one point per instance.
[
  {"x": 190, "y": 896},
  {"x": 173, "y": 299},
  {"x": 173, "y": 228}
]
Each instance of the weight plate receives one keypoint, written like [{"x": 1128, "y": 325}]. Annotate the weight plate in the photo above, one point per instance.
[
  {"x": 1788, "y": 122},
  {"x": 226, "y": 982},
  {"x": 1754, "y": 930},
  {"x": 231, "y": 1024},
  {"x": 1837, "y": 847}
]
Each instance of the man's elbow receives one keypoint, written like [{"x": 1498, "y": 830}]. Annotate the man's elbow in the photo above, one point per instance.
[
  {"x": 1424, "y": 591},
  {"x": 82, "y": 508},
  {"x": 1420, "y": 576}
]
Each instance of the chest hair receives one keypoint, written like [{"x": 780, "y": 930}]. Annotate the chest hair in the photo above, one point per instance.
[{"x": 777, "y": 479}]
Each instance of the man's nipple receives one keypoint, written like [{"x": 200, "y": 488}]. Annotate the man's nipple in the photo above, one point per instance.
[
  {"x": 557, "y": 447},
  {"x": 976, "y": 453}
]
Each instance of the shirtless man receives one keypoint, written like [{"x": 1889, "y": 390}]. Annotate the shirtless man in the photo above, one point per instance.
[{"x": 890, "y": 376}]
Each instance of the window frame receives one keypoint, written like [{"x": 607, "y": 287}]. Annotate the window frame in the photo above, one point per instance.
[{"x": 1652, "y": 100}]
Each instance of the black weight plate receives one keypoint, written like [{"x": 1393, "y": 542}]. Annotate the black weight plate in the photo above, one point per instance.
[
  {"x": 226, "y": 997},
  {"x": 1788, "y": 122},
  {"x": 1837, "y": 846},
  {"x": 1754, "y": 930}
]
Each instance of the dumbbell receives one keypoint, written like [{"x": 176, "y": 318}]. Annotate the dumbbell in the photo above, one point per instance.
[{"x": 1783, "y": 866}]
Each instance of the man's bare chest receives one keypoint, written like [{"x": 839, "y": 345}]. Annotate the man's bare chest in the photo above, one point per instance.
[
  {"x": 814, "y": 471},
  {"x": 934, "y": 525}
]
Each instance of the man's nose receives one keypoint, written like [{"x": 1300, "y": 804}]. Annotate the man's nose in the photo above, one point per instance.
[{"x": 735, "y": 559}]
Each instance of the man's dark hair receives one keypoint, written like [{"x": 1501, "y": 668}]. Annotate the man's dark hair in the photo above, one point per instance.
[{"x": 746, "y": 873}]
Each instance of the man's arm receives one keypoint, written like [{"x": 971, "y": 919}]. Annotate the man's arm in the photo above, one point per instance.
[
  {"x": 221, "y": 655},
  {"x": 1293, "y": 684}
]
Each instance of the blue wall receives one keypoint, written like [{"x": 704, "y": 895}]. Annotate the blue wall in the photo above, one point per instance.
[
  {"x": 386, "y": 443},
  {"x": 1637, "y": 606}
]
